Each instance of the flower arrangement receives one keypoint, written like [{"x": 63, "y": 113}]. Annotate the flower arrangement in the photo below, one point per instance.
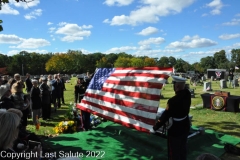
[{"x": 65, "y": 127}]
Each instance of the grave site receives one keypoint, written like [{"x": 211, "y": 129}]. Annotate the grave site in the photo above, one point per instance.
[{"x": 214, "y": 126}]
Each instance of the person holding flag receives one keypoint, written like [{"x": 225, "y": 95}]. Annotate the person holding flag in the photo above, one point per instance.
[{"x": 178, "y": 109}]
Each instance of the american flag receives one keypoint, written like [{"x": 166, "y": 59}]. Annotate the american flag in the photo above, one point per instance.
[{"x": 128, "y": 96}]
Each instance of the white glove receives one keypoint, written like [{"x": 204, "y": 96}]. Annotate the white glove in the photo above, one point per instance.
[{"x": 151, "y": 130}]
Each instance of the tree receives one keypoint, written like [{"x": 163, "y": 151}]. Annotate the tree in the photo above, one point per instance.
[
  {"x": 163, "y": 62},
  {"x": 123, "y": 62},
  {"x": 149, "y": 62},
  {"x": 1, "y": 28},
  {"x": 221, "y": 60},
  {"x": 235, "y": 57},
  {"x": 207, "y": 63},
  {"x": 137, "y": 62},
  {"x": 172, "y": 61}
]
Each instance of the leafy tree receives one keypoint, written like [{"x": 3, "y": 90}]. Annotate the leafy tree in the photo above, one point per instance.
[
  {"x": 172, "y": 61},
  {"x": 163, "y": 62},
  {"x": 102, "y": 63},
  {"x": 1, "y": 28},
  {"x": 207, "y": 63},
  {"x": 221, "y": 60},
  {"x": 179, "y": 66},
  {"x": 149, "y": 62},
  {"x": 123, "y": 62},
  {"x": 235, "y": 57},
  {"x": 137, "y": 62}
]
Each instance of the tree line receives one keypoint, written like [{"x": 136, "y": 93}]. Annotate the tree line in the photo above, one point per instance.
[{"x": 75, "y": 61}]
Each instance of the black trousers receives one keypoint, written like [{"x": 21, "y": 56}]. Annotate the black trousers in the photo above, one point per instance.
[
  {"x": 177, "y": 147},
  {"x": 46, "y": 110},
  {"x": 62, "y": 95},
  {"x": 86, "y": 120}
]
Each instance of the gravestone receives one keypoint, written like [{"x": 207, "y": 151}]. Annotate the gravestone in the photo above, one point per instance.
[
  {"x": 203, "y": 78},
  {"x": 212, "y": 78},
  {"x": 236, "y": 83},
  {"x": 192, "y": 93},
  {"x": 223, "y": 83},
  {"x": 207, "y": 86}
]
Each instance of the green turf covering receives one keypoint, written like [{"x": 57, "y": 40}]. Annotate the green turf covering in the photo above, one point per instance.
[{"x": 119, "y": 142}]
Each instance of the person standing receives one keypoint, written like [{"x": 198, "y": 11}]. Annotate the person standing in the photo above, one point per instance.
[
  {"x": 231, "y": 82},
  {"x": 62, "y": 87},
  {"x": 28, "y": 83},
  {"x": 36, "y": 101},
  {"x": 46, "y": 99},
  {"x": 178, "y": 109},
  {"x": 56, "y": 94}
]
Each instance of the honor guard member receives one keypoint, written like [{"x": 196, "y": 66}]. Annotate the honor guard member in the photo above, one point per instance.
[{"x": 177, "y": 109}]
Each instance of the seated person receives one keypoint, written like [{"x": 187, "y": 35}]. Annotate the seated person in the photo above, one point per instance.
[{"x": 9, "y": 128}]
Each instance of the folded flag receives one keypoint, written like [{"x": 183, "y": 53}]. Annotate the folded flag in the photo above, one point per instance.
[{"x": 128, "y": 96}]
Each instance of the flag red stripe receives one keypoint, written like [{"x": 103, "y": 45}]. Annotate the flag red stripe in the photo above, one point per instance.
[
  {"x": 135, "y": 83},
  {"x": 148, "y": 68},
  {"x": 146, "y": 96},
  {"x": 124, "y": 103},
  {"x": 118, "y": 112},
  {"x": 115, "y": 120},
  {"x": 115, "y": 74}
]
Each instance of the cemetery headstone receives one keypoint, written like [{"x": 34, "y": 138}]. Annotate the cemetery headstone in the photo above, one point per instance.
[
  {"x": 223, "y": 83},
  {"x": 207, "y": 86}
]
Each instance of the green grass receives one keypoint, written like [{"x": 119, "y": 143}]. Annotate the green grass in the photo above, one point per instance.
[{"x": 220, "y": 121}]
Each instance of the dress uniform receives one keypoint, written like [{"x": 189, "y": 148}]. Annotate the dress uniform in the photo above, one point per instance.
[{"x": 177, "y": 109}]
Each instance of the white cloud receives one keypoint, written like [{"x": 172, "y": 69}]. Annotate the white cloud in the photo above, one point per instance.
[
  {"x": 150, "y": 11},
  {"x": 157, "y": 52},
  {"x": 149, "y": 41},
  {"x": 10, "y": 39},
  {"x": 229, "y": 36},
  {"x": 233, "y": 22},
  {"x": 118, "y": 2},
  {"x": 13, "y": 52},
  {"x": 6, "y": 9},
  {"x": 145, "y": 47},
  {"x": 121, "y": 49},
  {"x": 192, "y": 42},
  {"x": 49, "y": 23},
  {"x": 62, "y": 24},
  {"x": 204, "y": 14},
  {"x": 216, "y": 5},
  {"x": 32, "y": 43},
  {"x": 51, "y": 29},
  {"x": 237, "y": 15},
  {"x": 148, "y": 31},
  {"x": 73, "y": 32},
  {"x": 34, "y": 14},
  {"x": 25, "y": 5}
]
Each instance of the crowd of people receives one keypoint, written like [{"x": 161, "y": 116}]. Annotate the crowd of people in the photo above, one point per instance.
[{"x": 18, "y": 106}]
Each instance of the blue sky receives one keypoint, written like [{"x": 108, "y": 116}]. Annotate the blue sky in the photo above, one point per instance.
[{"x": 187, "y": 29}]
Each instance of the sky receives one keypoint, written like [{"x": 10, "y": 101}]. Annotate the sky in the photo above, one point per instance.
[{"x": 186, "y": 29}]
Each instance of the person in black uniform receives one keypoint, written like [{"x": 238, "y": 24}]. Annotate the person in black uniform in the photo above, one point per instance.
[
  {"x": 178, "y": 109},
  {"x": 80, "y": 89}
]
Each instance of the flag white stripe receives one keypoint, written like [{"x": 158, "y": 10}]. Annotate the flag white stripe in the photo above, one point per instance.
[
  {"x": 144, "y": 71},
  {"x": 151, "y": 91},
  {"x": 133, "y": 111},
  {"x": 125, "y": 98},
  {"x": 117, "y": 117},
  {"x": 138, "y": 79}
]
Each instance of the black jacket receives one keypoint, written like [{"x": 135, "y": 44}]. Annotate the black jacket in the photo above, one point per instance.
[
  {"x": 44, "y": 88},
  {"x": 35, "y": 97},
  {"x": 28, "y": 84},
  {"x": 178, "y": 108},
  {"x": 6, "y": 103}
]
